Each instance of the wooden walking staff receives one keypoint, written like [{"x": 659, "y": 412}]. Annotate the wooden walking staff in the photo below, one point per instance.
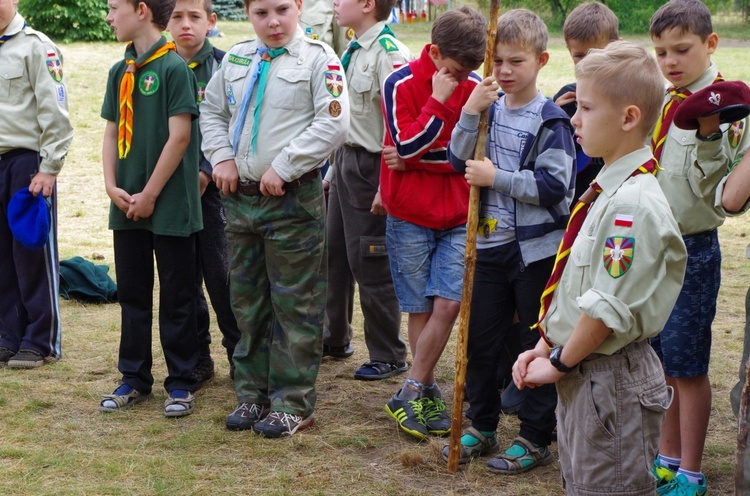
[
  {"x": 739, "y": 464},
  {"x": 470, "y": 259}
]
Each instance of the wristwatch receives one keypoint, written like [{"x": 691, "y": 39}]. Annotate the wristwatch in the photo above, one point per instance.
[
  {"x": 554, "y": 359},
  {"x": 711, "y": 137}
]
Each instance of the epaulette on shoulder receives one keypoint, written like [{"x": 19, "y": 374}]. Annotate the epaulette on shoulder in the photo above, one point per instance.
[
  {"x": 318, "y": 43},
  {"x": 28, "y": 30},
  {"x": 388, "y": 43}
]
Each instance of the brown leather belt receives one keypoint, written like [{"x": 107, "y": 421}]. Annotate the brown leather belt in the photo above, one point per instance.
[{"x": 252, "y": 188}]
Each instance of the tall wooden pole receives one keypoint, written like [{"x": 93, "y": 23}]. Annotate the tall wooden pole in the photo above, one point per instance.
[{"x": 470, "y": 259}]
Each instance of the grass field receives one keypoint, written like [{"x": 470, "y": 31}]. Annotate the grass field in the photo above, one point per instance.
[{"x": 53, "y": 440}]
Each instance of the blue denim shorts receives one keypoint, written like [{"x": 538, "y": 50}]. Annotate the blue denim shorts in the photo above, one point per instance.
[
  {"x": 684, "y": 345},
  {"x": 425, "y": 263}
]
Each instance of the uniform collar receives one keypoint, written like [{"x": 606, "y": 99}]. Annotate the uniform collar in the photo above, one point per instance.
[
  {"x": 371, "y": 35},
  {"x": 130, "y": 51},
  {"x": 613, "y": 176},
  {"x": 15, "y": 26},
  {"x": 708, "y": 77},
  {"x": 203, "y": 54}
]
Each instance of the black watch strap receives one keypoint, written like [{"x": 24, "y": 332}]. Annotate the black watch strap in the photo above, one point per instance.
[{"x": 554, "y": 359}]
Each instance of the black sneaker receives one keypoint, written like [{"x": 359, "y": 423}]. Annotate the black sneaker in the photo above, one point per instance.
[
  {"x": 436, "y": 417},
  {"x": 282, "y": 424},
  {"x": 5, "y": 355},
  {"x": 245, "y": 416},
  {"x": 204, "y": 371},
  {"x": 26, "y": 359},
  {"x": 408, "y": 414}
]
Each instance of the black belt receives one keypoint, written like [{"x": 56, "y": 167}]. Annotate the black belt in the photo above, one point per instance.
[
  {"x": 15, "y": 153},
  {"x": 252, "y": 188}
]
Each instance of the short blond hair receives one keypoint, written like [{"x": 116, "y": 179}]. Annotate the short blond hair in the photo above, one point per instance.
[
  {"x": 591, "y": 21},
  {"x": 522, "y": 27},
  {"x": 626, "y": 74}
]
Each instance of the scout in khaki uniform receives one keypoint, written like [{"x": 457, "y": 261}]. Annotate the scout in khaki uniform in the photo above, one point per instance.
[
  {"x": 35, "y": 134},
  {"x": 319, "y": 23},
  {"x": 274, "y": 111},
  {"x": 617, "y": 275},
  {"x": 692, "y": 163},
  {"x": 150, "y": 156},
  {"x": 356, "y": 220}
]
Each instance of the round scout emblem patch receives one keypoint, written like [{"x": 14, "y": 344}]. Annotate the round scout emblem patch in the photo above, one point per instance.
[
  {"x": 349, "y": 34},
  {"x": 618, "y": 255},
  {"x": 201, "y": 92},
  {"x": 334, "y": 108},
  {"x": 55, "y": 69},
  {"x": 148, "y": 84}
]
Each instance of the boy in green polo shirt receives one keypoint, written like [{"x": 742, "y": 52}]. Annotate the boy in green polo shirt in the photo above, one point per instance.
[
  {"x": 150, "y": 156},
  {"x": 190, "y": 22}
]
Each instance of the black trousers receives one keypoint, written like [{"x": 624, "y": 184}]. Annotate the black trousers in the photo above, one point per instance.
[
  {"x": 502, "y": 287},
  {"x": 213, "y": 268},
  {"x": 29, "y": 279},
  {"x": 134, "y": 265}
]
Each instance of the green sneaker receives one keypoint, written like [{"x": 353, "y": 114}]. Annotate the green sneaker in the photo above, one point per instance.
[
  {"x": 435, "y": 416},
  {"x": 680, "y": 486},
  {"x": 662, "y": 474},
  {"x": 408, "y": 414}
]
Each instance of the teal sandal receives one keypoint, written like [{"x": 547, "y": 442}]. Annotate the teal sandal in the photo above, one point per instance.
[
  {"x": 485, "y": 446},
  {"x": 521, "y": 457}
]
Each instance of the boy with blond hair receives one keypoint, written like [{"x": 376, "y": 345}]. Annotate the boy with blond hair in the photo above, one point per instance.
[
  {"x": 274, "y": 111},
  {"x": 693, "y": 163},
  {"x": 589, "y": 25},
  {"x": 625, "y": 263},
  {"x": 427, "y": 203},
  {"x": 150, "y": 156},
  {"x": 35, "y": 133},
  {"x": 355, "y": 228},
  {"x": 527, "y": 185},
  {"x": 189, "y": 24}
]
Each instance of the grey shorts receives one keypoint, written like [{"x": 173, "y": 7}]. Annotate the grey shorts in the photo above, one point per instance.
[{"x": 610, "y": 412}]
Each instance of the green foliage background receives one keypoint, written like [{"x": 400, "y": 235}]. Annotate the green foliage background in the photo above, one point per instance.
[
  {"x": 68, "y": 20},
  {"x": 230, "y": 10}
]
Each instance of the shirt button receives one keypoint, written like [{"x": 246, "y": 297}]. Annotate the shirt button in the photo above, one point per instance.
[{"x": 683, "y": 139}]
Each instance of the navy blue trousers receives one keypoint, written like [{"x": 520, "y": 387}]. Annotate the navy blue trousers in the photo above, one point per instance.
[{"x": 29, "y": 279}]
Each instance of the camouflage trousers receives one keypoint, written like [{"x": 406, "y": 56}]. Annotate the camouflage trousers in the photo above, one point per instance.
[{"x": 278, "y": 275}]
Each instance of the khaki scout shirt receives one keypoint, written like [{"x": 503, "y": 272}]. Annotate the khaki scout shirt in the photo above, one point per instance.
[
  {"x": 303, "y": 118},
  {"x": 33, "y": 99},
  {"x": 368, "y": 68},
  {"x": 693, "y": 168},
  {"x": 627, "y": 264},
  {"x": 318, "y": 22}
]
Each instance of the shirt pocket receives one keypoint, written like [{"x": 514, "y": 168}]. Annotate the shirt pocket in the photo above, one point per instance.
[
  {"x": 292, "y": 89},
  {"x": 579, "y": 266},
  {"x": 360, "y": 93},
  {"x": 11, "y": 80},
  {"x": 235, "y": 79},
  {"x": 682, "y": 142}
]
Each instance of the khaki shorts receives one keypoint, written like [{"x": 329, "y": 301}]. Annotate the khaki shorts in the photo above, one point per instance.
[{"x": 610, "y": 412}]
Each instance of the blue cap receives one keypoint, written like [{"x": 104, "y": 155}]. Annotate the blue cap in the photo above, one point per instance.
[{"x": 29, "y": 218}]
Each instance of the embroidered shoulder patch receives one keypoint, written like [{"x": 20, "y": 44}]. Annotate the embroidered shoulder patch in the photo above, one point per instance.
[
  {"x": 618, "y": 255},
  {"x": 237, "y": 60},
  {"x": 334, "y": 108},
  {"x": 736, "y": 130},
  {"x": 201, "y": 91},
  {"x": 55, "y": 69},
  {"x": 334, "y": 82},
  {"x": 388, "y": 44},
  {"x": 148, "y": 84}
]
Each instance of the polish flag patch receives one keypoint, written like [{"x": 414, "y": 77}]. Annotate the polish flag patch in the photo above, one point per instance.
[
  {"x": 622, "y": 220},
  {"x": 51, "y": 54},
  {"x": 334, "y": 67}
]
